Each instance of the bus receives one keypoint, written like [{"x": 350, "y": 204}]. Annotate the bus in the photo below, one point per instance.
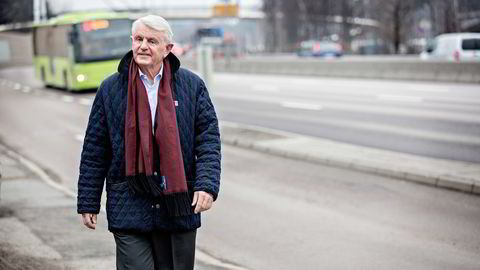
[{"x": 78, "y": 51}]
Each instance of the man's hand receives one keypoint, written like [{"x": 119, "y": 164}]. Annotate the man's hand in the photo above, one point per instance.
[
  {"x": 202, "y": 200},
  {"x": 89, "y": 220}
]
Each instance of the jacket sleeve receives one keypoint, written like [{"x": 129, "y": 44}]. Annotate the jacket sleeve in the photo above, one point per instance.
[
  {"x": 207, "y": 145},
  {"x": 94, "y": 160}
]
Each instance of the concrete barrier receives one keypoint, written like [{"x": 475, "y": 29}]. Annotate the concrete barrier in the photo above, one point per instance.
[
  {"x": 394, "y": 69},
  {"x": 15, "y": 49}
]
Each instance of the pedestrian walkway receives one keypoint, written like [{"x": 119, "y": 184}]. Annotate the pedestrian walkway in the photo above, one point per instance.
[{"x": 40, "y": 229}]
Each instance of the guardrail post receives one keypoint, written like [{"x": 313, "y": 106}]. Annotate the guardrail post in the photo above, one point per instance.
[{"x": 205, "y": 64}]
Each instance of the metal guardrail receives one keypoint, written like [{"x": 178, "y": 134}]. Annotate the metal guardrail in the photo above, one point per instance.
[{"x": 406, "y": 69}]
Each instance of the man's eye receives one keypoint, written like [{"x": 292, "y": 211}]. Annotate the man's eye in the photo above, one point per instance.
[
  {"x": 152, "y": 42},
  {"x": 139, "y": 39}
]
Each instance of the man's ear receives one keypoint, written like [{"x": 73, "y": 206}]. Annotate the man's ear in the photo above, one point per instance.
[{"x": 169, "y": 49}]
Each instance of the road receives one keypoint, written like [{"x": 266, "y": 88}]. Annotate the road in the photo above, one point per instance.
[
  {"x": 276, "y": 213},
  {"x": 430, "y": 119}
]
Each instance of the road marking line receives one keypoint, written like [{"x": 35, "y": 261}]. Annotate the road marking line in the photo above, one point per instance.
[
  {"x": 378, "y": 108},
  {"x": 400, "y": 98},
  {"x": 26, "y": 89},
  {"x": 41, "y": 173},
  {"x": 409, "y": 132},
  {"x": 17, "y": 86},
  {"x": 205, "y": 258},
  {"x": 303, "y": 106},
  {"x": 85, "y": 101},
  {"x": 67, "y": 99},
  {"x": 79, "y": 137},
  {"x": 429, "y": 90},
  {"x": 265, "y": 88}
]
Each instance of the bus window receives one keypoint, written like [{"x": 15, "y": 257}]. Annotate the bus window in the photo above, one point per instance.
[
  {"x": 101, "y": 39},
  {"x": 58, "y": 41},
  {"x": 40, "y": 41}
]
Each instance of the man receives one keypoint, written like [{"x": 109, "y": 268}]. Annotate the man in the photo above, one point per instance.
[{"x": 153, "y": 134}]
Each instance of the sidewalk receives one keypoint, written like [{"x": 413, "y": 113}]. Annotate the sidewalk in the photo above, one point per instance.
[
  {"x": 40, "y": 229},
  {"x": 454, "y": 175}
]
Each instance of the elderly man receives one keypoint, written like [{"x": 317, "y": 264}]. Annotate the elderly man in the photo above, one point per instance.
[{"x": 153, "y": 134}]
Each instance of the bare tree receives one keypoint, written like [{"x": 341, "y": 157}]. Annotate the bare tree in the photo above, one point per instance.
[
  {"x": 12, "y": 11},
  {"x": 305, "y": 19},
  {"x": 395, "y": 16},
  {"x": 292, "y": 21}
]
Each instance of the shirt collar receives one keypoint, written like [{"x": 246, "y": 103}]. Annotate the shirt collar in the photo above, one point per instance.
[{"x": 145, "y": 77}]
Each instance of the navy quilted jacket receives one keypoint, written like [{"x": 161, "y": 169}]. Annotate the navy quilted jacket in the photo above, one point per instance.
[{"x": 103, "y": 155}]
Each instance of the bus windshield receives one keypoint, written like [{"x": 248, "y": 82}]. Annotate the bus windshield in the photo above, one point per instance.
[{"x": 101, "y": 39}]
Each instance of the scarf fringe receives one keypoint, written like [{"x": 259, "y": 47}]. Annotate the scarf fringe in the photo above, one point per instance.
[
  {"x": 178, "y": 204},
  {"x": 142, "y": 184}
]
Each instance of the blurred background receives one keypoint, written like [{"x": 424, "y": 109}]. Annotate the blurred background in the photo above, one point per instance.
[
  {"x": 274, "y": 26},
  {"x": 350, "y": 129}
]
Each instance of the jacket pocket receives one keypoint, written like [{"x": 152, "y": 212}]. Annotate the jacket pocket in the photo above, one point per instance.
[
  {"x": 122, "y": 186},
  {"x": 125, "y": 210}
]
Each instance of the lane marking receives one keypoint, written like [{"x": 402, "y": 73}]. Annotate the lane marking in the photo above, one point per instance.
[
  {"x": 26, "y": 89},
  {"x": 376, "y": 108},
  {"x": 433, "y": 90},
  {"x": 85, "y": 101},
  {"x": 40, "y": 172},
  {"x": 79, "y": 137},
  {"x": 383, "y": 128},
  {"x": 302, "y": 106},
  {"x": 67, "y": 99},
  {"x": 205, "y": 258},
  {"x": 265, "y": 88},
  {"x": 17, "y": 86},
  {"x": 409, "y": 132},
  {"x": 399, "y": 98}
]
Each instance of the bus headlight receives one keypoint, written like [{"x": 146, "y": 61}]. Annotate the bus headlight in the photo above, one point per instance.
[{"x": 80, "y": 77}]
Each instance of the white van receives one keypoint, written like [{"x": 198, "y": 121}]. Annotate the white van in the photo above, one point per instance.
[{"x": 454, "y": 47}]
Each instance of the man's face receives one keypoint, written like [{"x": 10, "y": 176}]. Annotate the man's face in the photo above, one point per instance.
[{"x": 149, "y": 46}]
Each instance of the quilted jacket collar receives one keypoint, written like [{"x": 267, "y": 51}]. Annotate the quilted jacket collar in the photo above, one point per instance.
[{"x": 125, "y": 62}]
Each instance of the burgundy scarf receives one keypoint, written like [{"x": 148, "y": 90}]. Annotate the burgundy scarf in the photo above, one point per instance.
[{"x": 164, "y": 180}]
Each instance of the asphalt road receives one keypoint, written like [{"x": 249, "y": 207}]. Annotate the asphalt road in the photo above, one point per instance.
[
  {"x": 276, "y": 213},
  {"x": 430, "y": 119}
]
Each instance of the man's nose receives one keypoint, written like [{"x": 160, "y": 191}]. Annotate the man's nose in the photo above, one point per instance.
[{"x": 144, "y": 44}]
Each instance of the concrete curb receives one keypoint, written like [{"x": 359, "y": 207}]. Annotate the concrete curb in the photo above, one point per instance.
[{"x": 452, "y": 180}]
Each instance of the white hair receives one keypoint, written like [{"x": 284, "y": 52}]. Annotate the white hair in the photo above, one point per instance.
[{"x": 156, "y": 23}]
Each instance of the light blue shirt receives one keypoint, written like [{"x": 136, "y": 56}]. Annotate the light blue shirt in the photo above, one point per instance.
[{"x": 152, "y": 91}]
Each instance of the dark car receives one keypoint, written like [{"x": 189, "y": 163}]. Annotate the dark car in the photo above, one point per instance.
[{"x": 319, "y": 49}]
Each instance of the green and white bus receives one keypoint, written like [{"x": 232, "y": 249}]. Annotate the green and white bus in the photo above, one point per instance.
[{"x": 77, "y": 51}]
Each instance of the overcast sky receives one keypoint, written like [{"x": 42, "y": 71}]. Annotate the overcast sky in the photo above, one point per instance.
[{"x": 60, "y": 6}]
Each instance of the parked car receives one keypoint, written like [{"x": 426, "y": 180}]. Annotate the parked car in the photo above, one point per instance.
[
  {"x": 454, "y": 47},
  {"x": 319, "y": 48}
]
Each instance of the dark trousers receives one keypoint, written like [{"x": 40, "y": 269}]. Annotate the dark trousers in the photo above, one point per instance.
[{"x": 155, "y": 251}]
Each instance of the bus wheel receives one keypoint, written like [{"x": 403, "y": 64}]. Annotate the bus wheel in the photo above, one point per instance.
[
  {"x": 65, "y": 80},
  {"x": 42, "y": 74}
]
